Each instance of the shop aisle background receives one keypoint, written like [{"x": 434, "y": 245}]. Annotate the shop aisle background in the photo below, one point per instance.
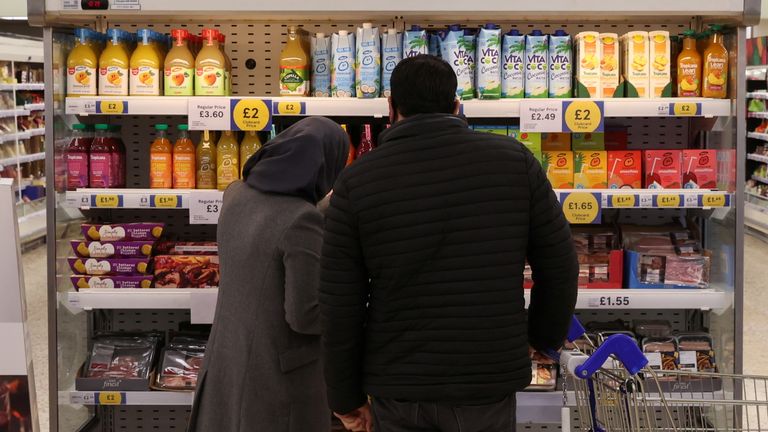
[{"x": 755, "y": 315}]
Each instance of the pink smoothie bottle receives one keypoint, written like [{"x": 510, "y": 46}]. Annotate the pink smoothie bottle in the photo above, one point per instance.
[
  {"x": 102, "y": 168},
  {"x": 77, "y": 156},
  {"x": 118, "y": 155}
]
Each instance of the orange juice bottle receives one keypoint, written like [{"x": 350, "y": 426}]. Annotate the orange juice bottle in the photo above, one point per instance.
[
  {"x": 210, "y": 67},
  {"x": 228, "y": 63},
  {"x": 227, "y": 160},
  {"x": 715, "y": 74},
  {"x": 161, "y": 160},
  {"x": 113, "y": 65},
  {"x": 689, "y": 67},
  {"x": 294, "y": 66},
  {"x": 82, "y": 62},
  {"x": 251, "y": 144},
  {"x": 179, "y": 66},
  {"x": 205, "y": 159},
  {"x": 145, "y": 66},
  {"x": 183, "y": 160}
]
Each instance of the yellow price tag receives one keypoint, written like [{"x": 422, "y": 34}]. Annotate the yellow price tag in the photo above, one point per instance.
[
  {"x": 713, "y": 200},
  {"x": 668, "y": 200},
  {"x": 110, "y": 398},
  {"x": 107, "y": 201},
  {"x": 290, "y": 108},
  {"x": 165, "y": 201},
  {"x": 252, "y": 115},
  {"x": 583, "y": 116},
  {"x": 112, "y": 107},
  {"x": 623, "y": 201},
  {"x": 581, "y": 208},
  {"x": 683, "y": 109}
]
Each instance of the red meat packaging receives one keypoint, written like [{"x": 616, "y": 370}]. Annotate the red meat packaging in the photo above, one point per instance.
[{"x": 186, "y": 271}]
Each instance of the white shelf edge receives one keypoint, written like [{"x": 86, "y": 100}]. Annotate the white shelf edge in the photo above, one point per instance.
[
  {"x": 760, "y": 114},
  {"x": 36, "y": 132},
  {"x": 758, "y": 95},
  {"x": 760, "y": 179},
  {"x": 14, "y": 136},
  {"x": 758, "y": 135},
  {"x": 16, "y": 112},
  {"x": 757, "y": 157},
  {"x": 146, "y": 398},
  {"x": 22, "y": 159},
  {"x": 752, "y": 194},
  {"x": 34, "y": 107}
]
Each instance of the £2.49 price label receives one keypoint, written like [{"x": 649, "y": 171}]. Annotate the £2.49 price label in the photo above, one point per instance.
[
  {"x": 581, "y": 207},
  {"x": 541, "y": 115}
]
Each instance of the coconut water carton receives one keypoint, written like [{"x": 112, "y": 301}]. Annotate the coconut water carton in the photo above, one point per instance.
[
  {"x": 458, "y": 51},
  {"x": 343, "y": 64},
  {"x": 488, "y": 80},
  {"x": 536, "y": 64},
  {"x": 368, "y": 62},
  {"x": 321, "y": 65},
  {"x": 470, "y": 39},
  {"x": 513, "y": 65},
  {"x": 415, "y": 42},
  {"x": 433, "y": 47},
  {"x": 391, "y": 54},
  {"x": 560, "y": 65}
]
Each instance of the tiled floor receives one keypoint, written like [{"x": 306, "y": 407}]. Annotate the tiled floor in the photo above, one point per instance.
[{"x": 755, "y": 311}]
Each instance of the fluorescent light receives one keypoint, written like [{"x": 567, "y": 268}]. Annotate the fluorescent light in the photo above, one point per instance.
[{"x": 14, "y": 18}]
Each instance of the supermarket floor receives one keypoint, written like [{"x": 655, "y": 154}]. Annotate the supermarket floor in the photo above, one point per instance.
[{"x": 755, "y": 311}]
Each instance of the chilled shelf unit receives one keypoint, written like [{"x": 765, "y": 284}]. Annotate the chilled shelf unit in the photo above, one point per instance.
[
  {"x": 717, "y": 214},
  {"x": 756, "y": 212}
]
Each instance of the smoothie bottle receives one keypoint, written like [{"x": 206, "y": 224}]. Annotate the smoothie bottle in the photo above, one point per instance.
[
  {"x": 210, "y": 66},
  {"x": 489, "y": 62},
  {"x": 179, "y": 66},
  {"x": 294, "y": 66},
  {"x": 715, "y": 72},
  {"x": 689, "y": 67},
  {"x": 183, "y": 160},
  {"x": 321, "y": 65},
  {"x": 560, "y": 65},
  {"x": 101, "y": 169},
  {"x": 145, "y": 66},
  {"x": 76, "y": 156},
  {"x": 161, "y": 160},
  {"x": 114, "y": 63},
  {"x": 513, "y": 65},
  {"x": 227, "y": 163},
  {"x": 119, "y": 155},
  {"x": 205, "y": 158},
  {"x": 366, "y": 142},
  {"x": 82, "y": 63},
  {"x": 368, "y": 61},
  {"x": 536, "y": 64},
  {"x": 248, "y": 147}
]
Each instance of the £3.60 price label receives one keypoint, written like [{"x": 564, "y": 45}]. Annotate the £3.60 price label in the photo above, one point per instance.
[
  {"x": 208, "y": 113},
  {"x": 251, "y": 114},
  {"x": 581, "y": 207},
  {"x": 205, "y": 206},
  {"x": 583, "y": 116}
]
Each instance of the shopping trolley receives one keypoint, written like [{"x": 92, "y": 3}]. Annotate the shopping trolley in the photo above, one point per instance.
[{"x": 615, "y": 390}]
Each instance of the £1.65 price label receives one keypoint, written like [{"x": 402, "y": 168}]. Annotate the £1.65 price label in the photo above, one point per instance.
[
  {"x": 210, "y": 113},
  {"x": 583, "y": 116},
  {"x": 251, "y": 114},
  {"x": 541, "y": 115},
  {"x": 714, "y": 200},
  {"x": 205, "y": 206},
  {"x": 581, "y": 207}
]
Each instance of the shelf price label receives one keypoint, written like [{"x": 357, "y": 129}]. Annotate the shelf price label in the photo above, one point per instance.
[
  {"x": 165, "y": 201},
  {"x": 106, "y": 201},
  {"x": 210, "y": 113},
  {"x": 290, "y": 108},
  {"x": 251, "y": 114},
  {"x": 583, "y": 116},
  {"x": 541, "y": 115},
  {"x": 581, "y": 207},
  {"x": 685, "y": 109},
  {"x": 110, "y": 398},
  {"x": 205, "y": 206},
  {"x": 608, "y": 301},
  {"x": 668, "y": 201},
  {"x": 112, "y": 107},
  {"x": 714, "y": 200},
  {"x": 624, "y": 200}
]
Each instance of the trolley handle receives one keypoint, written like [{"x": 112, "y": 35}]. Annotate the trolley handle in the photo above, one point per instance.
[
  {"x": 623, "y": 348},
  {"x": 576, "y": 330}
]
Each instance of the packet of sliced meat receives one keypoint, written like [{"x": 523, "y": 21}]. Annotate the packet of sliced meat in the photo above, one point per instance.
[{"x": 696, "y": 352}]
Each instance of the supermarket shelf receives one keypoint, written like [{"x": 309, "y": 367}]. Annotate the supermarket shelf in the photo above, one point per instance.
[
  {"x": 34, "y": 107},
  {"x": 760, "y": 179},
  {"x": 756, "y": 217},
  {"x": 505, "y": 108},
  {"x": 761, "y": 115},
  {"x": 758, "y": 95},
  {"x": 126, "y": 398},
  {"x": 754, "y": 195},
  {"x": 12, "y": 137},
  {"x": 758, "y": 157},
  {"x": 16, "y": 112},
  {"x": 32, "y": 226},
  {"x": 152, "y": 298},
  {"x": 36, "y": 132},
  {"x": 758, "y": 135},
  {"x": 25, "y": 86},
  {"x": 22, "y": 159},
  {"x": 640, "y": 198}
]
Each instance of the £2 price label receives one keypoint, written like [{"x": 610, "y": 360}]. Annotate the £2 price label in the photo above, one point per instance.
[
  {"x": 583, "y": 116},
  {"x": 110, "y": 398},
  {"x": 581, "y": 207},
  {"x": 290, "y": 108},
  {"x": 112, "y": 107},
  {"x": 251, "y": 114},
  {"x": 685, "y": 109}
]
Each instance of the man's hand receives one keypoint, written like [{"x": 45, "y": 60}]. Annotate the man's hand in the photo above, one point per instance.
[{"x": 359, "y": 420}]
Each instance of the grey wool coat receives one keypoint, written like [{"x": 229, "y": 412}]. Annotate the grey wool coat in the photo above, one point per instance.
[{"x": 262, "y": 371}]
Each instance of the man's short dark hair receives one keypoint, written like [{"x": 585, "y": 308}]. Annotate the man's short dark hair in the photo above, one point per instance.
[{"x": 423, "y": 84}]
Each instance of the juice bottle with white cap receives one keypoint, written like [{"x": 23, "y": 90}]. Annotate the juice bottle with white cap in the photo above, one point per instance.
[{"x": 294, "y": 66}]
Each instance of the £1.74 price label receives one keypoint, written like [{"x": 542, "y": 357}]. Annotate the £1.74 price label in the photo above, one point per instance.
[{"x": 581, "y": 207}]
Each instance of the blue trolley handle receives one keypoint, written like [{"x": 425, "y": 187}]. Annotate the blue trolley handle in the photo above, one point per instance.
[{"x": 621, "y": 347}]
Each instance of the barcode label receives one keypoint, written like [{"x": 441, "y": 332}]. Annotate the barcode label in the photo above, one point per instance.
[{"x": 70, "y": 4}]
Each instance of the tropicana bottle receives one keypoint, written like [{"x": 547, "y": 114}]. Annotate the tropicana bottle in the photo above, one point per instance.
[
  {"x": 161, "y": 160},
  {"x": 205, "y": 158},
  {"x": 183, "y": 160},
  {"x": 715, "y": 71},
  {"x": 227, "y": 160},
  {"x": 689, "y": 67}
]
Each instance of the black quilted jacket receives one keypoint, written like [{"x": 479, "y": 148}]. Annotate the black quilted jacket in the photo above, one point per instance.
[{"x": 422, "y": 267}]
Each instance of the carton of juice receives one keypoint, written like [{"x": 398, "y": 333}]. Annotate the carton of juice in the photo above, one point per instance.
[
  {"x": 555, "y": 141},
  {"x": 488, "y": 71},
  {"x": 625, "y": 169},
  {"x": 699, "y": 169},
  {"x": 532, "y": 140},
  {"x": 459, "y": 53},
  {"x": 496, "y": 130},
  {"x": 513, "y": 65},
  {"x": 415, "y": 42},
  {"x": 609, "y": 64},
  {"x": 321, "y": 65},
  {"x": 560, "y": 65},
  {"x": 590, "y": 169},
  {"x": 343, "y": 64},
  {"x": 559, "y": 168},
  {"x": 663, "y": 169},
  {"x": 536, "y": 64},
  {"x": 588, "y": 141},
  {"x": 391, "y": 54},
  {"x": 635, "y": 67},
  {"x": 660, "y": 70},
  {"x": 587, "y": 82},
  {"x": 368, "y": 62}
]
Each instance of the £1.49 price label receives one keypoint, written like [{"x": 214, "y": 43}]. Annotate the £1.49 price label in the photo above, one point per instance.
[{"x": 581, "y": 207}]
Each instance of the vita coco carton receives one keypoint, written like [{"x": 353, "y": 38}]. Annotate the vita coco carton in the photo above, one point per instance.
[
  {"x": 559, "y": 168},
  {"x": 588, "y": 141},
  {"x": 699, "y": 169},
  {"x": 663, "y": 169},
  {"x": 553, "y": 141},
  {"x": 660, "y": 56},
  {"x": 635, "y": 64},
  {"x": 587, "y": 78},
  {"x": 532, "y": 140},
  {"x": 609, "y": 64},
  {"x": 513, "y": 65},
  {"x": 625, "y": 169},
  {"x": 536, "y": 65},
  {"x": 560, "y": 65},
  {"x": 590, "y": 169}
]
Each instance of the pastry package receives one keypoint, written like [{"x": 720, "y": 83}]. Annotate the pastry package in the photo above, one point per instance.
[
  {"x": 86, "y": 282},
  {"x": 180, "y": 363},
  {"x": 187, "y": 248},
  {"x": 543, "y": 375},
  {"x": 121, "y": 356},
  {"x": 186, "y": 271},
  {"x": 696, "y": 352},
  {"x": 109, "y": 266},
  {"x": 142, "y": 231},
  {"x": 661, "y": 353},
  {"x": 96, "y": 249}
]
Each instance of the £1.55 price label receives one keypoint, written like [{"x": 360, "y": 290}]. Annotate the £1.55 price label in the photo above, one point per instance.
[
  {"x": 583, "y": 116},
  {"x": 209, "y": 113},
  {"x": 581, "y": 207},
  {"x": 205, "y": 206},
  {"x": 251, "y": 114}
]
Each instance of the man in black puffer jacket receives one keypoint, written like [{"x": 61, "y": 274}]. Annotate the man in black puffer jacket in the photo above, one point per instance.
[{"x": 422, "y": 269}]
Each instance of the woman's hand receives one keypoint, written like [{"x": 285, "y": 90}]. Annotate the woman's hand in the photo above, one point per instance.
[{"x": 359, "y": 420}]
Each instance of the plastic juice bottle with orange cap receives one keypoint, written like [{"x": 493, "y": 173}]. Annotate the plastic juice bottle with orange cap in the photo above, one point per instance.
[
  {"x": 161, "y": 160},
  {"x": 114, "y": 63},
  {"x": 180, "y": 66},
  {"x": 715, "y": 72},
  {"x": 227, "y": 62},
  {"x": 227, "y": 163},
  {"x": 145, "y": 67},
  {"x": 210, "y": 67},
  {"x": 689, "y": 67},
  {"x": 183, "y": 160},
  {"x": 82, "y": 63}
]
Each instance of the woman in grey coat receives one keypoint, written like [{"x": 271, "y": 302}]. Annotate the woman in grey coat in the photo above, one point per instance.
[{"x": 262, "y": 369}]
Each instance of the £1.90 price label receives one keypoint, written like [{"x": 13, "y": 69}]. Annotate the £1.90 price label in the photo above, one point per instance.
[
  {"x": 581, "y": 207},
  {"x": 251, "y": 114},
  {"x": 583, "y": 116},
  {"x": 209, "y": 113},
  {"x": 205, "y": 206}
]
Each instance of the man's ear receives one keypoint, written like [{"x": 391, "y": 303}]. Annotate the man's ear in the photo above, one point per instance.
[
  {"x": 392, "y": 111},
  {"x": 456, "y": 107}
]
